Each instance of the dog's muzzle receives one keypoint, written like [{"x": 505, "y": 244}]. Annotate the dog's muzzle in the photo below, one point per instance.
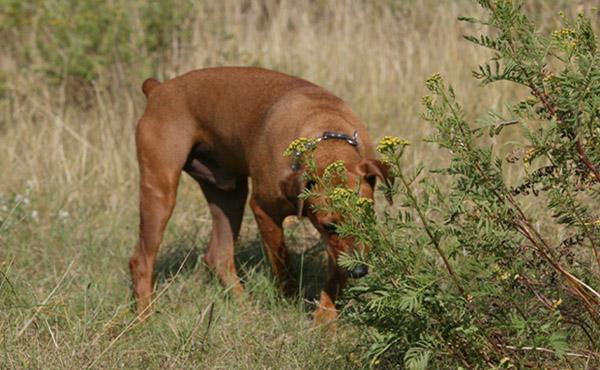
[{"x": 358, "y": 272}]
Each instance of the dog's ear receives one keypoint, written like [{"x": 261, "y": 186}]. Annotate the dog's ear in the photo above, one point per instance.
[
  {"x": 291, "y": 186},
  {"x": 371, "y": 169}
]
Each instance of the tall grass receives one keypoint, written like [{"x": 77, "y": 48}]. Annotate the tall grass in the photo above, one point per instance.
[{"x": 69, "y": 87}]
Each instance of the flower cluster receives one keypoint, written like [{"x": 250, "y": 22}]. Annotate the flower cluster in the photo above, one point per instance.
[
  {"x": 427, "y": 100},
  {"x": 564, "y": 34},
  {"x": 336, "y": 168},
  {"x": 362, "y": 202},
  {"x": 299, "y": 146},
  {"x": 500, "y": 273},
  {"x": 340, "y": 193},
  {"x": 433, "y": 82},
  {"x": 529, "y": 156},
  {"x": 567, "y": 36},
  {"x": 389, "y": 143},
  {"x": 344, "y": 194}
]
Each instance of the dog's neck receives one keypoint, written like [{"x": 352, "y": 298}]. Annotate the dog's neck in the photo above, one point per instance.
[
  {"x": 327, "y": 135},
  {"x": 339, "y": 136}
]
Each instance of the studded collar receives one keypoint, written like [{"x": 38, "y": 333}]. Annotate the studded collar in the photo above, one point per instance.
[{"x": 327, "y": 135}]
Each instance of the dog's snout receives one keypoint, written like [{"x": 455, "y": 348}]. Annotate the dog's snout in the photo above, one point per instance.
[{"x": 358, "y": 272}]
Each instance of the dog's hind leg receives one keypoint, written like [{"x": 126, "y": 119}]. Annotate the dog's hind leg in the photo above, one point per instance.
[
  {"x": 162, "y": 153},
  {"x": 227, "y": 210}
]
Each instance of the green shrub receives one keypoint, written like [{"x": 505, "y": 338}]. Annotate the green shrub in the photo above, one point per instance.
[
  {"x": 488, "y": 272},
  {"x": 83, "y": 39}
]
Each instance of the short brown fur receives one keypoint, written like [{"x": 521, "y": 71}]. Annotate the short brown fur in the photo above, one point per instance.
[{"x": 223, "y": 126}]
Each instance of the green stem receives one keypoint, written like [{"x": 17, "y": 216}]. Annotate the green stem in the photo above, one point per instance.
[{"x": 434, "y": 240}]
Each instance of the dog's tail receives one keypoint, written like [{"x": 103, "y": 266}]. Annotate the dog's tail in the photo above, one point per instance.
[{"x": 149, "y": 85}]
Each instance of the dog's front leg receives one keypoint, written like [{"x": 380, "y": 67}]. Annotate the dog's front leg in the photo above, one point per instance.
[
  {"x": 272, "y": 236},
  {"x": 334, "y": 286}
]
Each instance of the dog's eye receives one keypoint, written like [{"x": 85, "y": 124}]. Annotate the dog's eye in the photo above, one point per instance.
[{"x": 330, "y": 228}]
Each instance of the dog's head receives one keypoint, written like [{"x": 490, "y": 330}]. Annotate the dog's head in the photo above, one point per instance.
[{"x": 361, "y": 176}]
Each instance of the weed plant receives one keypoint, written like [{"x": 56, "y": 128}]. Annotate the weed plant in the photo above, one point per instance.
[{"x": 464, "y": 276}]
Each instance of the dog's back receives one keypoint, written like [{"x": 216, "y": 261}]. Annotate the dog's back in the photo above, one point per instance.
[{"x": 249, "y": 111}]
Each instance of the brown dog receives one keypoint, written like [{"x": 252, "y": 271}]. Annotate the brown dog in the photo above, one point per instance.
[{"x": 223, "y": 125}]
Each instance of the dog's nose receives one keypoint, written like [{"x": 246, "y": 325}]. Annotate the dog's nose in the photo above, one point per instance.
[{"x": 358, "y": 272}]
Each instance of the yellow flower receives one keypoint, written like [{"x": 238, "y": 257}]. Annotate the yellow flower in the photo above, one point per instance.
[
  {"x": 528, "y": 157},
  {"x": 433, "y": 81},
  {"x": 299, "y": 146},
  {"x": 427, "y": 100},
  {"x": 500, "y": 274},
  {"x": 340, "y": 193},
  {"x": 389, "y": 143},
  {"x": 564, "y": 34},
  {"x": 336, "y": 167},
  {"x": 361, "y": 202}
]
